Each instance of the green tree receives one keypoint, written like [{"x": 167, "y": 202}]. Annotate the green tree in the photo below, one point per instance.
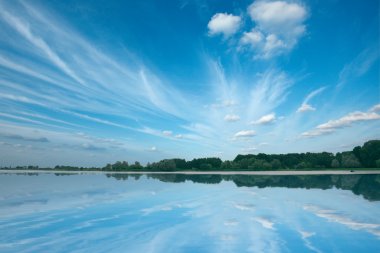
[
  {"x": 349, "y": 160},
  {"x": 335, "y": 163}
]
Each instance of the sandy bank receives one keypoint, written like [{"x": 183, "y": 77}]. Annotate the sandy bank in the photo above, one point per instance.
[{"x": 268, "y": 173}]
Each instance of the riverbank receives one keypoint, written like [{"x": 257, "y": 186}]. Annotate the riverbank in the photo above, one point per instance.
[{"x": 263, "y": 173}]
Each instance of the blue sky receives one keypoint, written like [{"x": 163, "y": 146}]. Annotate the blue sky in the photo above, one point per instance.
[{"x": 90, "y": 82}]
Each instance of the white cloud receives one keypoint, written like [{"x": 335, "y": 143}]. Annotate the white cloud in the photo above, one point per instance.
[
  {"x": 273, "y": 15},
  {"x": 167, "y": 133},
  {"x": 305, "y": 104},
  {"x": 224, "y": 23},
  {"x": 231, "y": 118},
  {"x": 266, "y": 119},
  {"x": 279, "y": 22},
  {"x": 345, "y": 121},
  {"x": 106, "y": 122},
  {"x": 245, "y": 134},
  {"x": 270, "y": 90},
  {"x": 153, "y": 149},
  {"x": 178, "y": 136},
  {"x": 25, "y": 31},
  {"x": 333, "y": 216},
  {"x": 375, "y": 108},
  {"x": 244, "y": 207},
  {"x": 306, "y": 234},
  {"x": 359, "y": 66},
  {"x": 265, "y": 222},
  {"x": 349, "y": 119},
  {"x": 316, "y": 132},
  {"x": 305, "y": 108},
  {"x": 252, "y": 38}
]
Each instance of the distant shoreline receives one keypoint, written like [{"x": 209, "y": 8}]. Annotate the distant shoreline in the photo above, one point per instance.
[{"x": 261, "y": 173}]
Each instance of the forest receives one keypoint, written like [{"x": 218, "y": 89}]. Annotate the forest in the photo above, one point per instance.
[{"x": 366, "y": 157}]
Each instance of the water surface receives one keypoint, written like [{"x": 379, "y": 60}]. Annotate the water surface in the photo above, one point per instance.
[{"x": 189, "y": 213}]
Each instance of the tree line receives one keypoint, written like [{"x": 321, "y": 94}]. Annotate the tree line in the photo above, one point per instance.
[{"x": 366, "y": 156}]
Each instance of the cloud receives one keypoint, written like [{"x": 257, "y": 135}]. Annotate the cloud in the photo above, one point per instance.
[
  {"x": 333, "y": 216},
  {"x": 25, "y": 119},
  {"x": 23, "y": 138},
  {"x": 305, "y": 108},
  {"x": 279, "y": 25},
  {"x": 25, "y": 30},
  {"x": 167, "y": 133},
  {"x": 244, "y": 207},
  {"x": 226, "y": 24},
  {"x": 231, "y": 118},
  {"x": 264, "y": 222},
  {"x": 316, "y": 132},
  {"x": 305, "y": 104},
  {"x": 90, "y": 147},
  {"x": 345, "y": 121},
  {"x": 245, "y": 134},
  {"x": 153, "y": 149},
  {"x": 102, "y": 121},
  {"x": 270, "y": 90},
  {"x": 22, "y": 99},
  {"x": 306, "y": 234},
  {"x": 305, "y": 237},
  {"x": 178, "y": 136},
  {"x": 349, "y": 119},
  {"x": 266, "y": 119},
  {"x": 252, "y": 38},
  {"x": 114, "y": 83},
  {"x": 358, "y": 66},
  {"x": 375, "y": 108}
]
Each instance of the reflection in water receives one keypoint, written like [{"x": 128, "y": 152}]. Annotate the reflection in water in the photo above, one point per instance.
[
  {"x": 188, "y": 213},
  {"x": 366, "y": 185}
]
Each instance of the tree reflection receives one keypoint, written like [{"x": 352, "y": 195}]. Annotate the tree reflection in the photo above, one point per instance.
[{"x": 367, "y": 186}]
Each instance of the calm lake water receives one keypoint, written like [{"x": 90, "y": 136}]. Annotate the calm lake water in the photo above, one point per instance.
[{"x": 189, "y": 213}]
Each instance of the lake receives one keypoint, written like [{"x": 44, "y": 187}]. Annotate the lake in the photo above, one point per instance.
[{"x": 42, "y": 212}]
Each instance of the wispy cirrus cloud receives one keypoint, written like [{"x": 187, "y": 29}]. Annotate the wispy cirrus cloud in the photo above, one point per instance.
[
  {"x": 24, "y": 30},
  {"x": 76, "y": 86},
  {"x": 121, "y": 86},
  {"x": 358, "y": 66},
  {"x": 270, "y": 90},
  {"x": 305, "y": 106}
]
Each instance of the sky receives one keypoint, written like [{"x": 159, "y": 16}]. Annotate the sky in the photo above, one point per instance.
[{"x": 87, "y": 83}]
